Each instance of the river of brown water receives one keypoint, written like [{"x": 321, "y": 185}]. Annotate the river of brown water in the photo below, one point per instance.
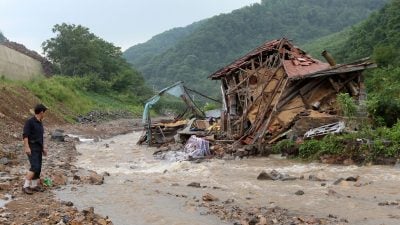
[{"x": 143, "y": 190}]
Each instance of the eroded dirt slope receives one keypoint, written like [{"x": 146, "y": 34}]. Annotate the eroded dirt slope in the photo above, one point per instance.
[{"x": 16, "y": 104}]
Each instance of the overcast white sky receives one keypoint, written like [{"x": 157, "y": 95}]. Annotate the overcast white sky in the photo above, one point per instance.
[{"x": 122, "y": 22}]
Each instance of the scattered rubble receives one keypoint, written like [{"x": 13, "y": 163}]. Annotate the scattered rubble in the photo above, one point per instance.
[
  {"x": 42, "y": 208},
  {"x": 194, "y": 184},
  {"x": 58, "y": 135},
  {"x": 227, "y": 211},
  {"x": 209, "y": 198},
  {"x": 268, "y": 92},
  {"x": 274, "y": 92},
  {"x": 98, "y": 116},
  {"x": 387, "y": 203},
  {"x": 315, "y": 178},
  {"x": 275, "y": 175},
  {"x": 353, "y": 179}
]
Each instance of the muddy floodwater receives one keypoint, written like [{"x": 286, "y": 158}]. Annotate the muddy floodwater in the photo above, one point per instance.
[{"x": 143, "y": 190}]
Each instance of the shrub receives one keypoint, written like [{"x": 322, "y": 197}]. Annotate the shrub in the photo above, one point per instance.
[
  {"x": 347, "y": 105},
  {"x": 281, "y": 146},
  {"x": 309, "y": 149}
]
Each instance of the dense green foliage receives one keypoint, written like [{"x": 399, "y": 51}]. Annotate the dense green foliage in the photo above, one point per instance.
[
  {"x": 367, "y": 145},
  {"x": 377, "y": 37},
  {"x": 332, "y": 43},
  {"x": 347, "y": 105},
  {"x": 329, "y": 145},
  {"x": 77, "y": 52},
  {"x": 364, "y": 146},
  {"x": 142, "y": 53},
  {"x": 282, "y": 145},
  {"x": 384, "y": 95},
  {"x": 221, "y": 39}
]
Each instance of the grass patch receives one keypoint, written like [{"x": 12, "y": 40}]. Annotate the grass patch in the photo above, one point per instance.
[
  {"x": 367, "y": 145},
  {"x": 66, "y": 96}
]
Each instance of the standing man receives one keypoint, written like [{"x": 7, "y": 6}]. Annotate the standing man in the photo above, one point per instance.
[{"x": 34, "y": 148}]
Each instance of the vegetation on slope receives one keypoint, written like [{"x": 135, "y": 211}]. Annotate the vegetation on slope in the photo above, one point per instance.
[
  {"x": 223, "y": 38},
  {"x": 76, "y": 52},
  {"x": 142, "y": 53},
  {"x": 377, "y": 37},
  {"x": 68, "y": 98},
  {"x": 93, "y": 75},
  {"x": 332, "y": 43}
]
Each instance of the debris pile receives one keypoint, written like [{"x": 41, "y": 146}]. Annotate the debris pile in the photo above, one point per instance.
[
  {"x": 96, "y": 116},
  {"x": 268, "y": 92},
  {"x": 274, "y": 92},
  {"x": 197, "y": 147}
]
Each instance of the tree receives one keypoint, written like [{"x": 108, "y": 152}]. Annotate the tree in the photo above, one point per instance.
[{"x": 75, "y": 51}]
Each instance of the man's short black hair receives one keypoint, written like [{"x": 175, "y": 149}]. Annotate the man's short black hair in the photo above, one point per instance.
[{"x": 40, "y": 108}]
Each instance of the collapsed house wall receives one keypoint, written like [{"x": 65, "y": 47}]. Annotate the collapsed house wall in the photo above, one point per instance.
[{"x": 275, "y": 85}]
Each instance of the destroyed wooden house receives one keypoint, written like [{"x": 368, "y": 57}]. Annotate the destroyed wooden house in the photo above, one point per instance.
[{"x": 278, "y": 89}]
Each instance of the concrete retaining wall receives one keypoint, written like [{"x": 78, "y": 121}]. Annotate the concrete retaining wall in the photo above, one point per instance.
[{"x": 17, "y": 66}]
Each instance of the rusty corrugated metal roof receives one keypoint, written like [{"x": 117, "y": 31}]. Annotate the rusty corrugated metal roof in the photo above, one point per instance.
[
  {"x": 296, "y": 62},
  {"x": 299, "y": 64},
  {"x": 267, "y": 46},
  {"x": 294, "y": 70},
  {"x": 359, "y": 65}
]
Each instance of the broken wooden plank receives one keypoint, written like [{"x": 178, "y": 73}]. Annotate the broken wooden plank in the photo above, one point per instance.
[
  {"x": 271, "y": 114},
  {"x": 334, "y": 84},
  {"x": 231, "y": 91}
]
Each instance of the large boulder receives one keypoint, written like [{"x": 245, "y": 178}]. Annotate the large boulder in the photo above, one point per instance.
[{"x": 58, "y": 135}]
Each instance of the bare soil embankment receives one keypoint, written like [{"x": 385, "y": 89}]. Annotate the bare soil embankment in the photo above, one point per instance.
[{"x": 43, "y": 208}]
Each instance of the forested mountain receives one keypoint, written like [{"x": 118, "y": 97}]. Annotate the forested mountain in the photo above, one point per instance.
[
  {"x": 333, "y": 43},
  {"x": 221, "y": 39},
  {"x": 142, "y": 53},
  {"x": 377, "y": 37}
]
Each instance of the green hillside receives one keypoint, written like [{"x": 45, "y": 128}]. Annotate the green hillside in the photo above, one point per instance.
[
  {"x": 332, "y": 43},
  {"x": 142, "y": 53},
  {"x": 221, "y": 39},
  {"x": 377, "y": 37}
]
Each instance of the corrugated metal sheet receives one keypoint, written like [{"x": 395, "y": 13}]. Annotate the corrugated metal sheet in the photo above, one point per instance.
[
  {"x": 361, "y": 65},
  {"x": 301, "y": 70},
  {"x": 298, "y": 65},
  {"x": 267, "y": 46}
]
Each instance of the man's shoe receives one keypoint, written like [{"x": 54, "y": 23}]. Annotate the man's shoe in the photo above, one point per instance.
[
  {"x": 27, "y": 190},
  {"x": 37, "y": 189}
]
